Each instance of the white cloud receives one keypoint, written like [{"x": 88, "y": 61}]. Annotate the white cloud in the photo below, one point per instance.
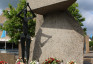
[
  {"x": 88, "y": 22},
  {"x": 86, "y": 9},
  {"x": 85, "y": 4}
]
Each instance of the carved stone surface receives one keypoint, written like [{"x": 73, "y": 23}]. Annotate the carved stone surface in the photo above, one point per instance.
[
  {"x": 59, "y": 36},
  {"x": 48, "y": 6}
]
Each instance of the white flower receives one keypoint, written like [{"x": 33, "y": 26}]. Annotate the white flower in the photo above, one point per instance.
[
  {"x": 19, "y": 60},
  {"x": 33, "y": 62},
  {"x": 70, "y": 62}
]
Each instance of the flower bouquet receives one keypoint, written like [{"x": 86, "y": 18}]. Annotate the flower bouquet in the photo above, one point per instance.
[
  {"x": 71, "y": 62},
  {"x": 51, "y": 61},
  {"x": 19, "y": 61},
  {"x": 3, "y": 62}
]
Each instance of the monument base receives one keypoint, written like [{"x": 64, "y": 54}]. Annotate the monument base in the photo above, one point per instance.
[{"x": 59, "y": 36}]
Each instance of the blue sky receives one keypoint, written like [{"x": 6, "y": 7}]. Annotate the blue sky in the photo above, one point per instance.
[
  {"x": 85, "y": 7},
  {"x": 4, "y": 4}
]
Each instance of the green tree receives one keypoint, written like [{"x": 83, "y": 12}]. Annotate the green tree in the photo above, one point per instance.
[
  {"x": 90, "y": 43},
  {"x": 13, "y": 24},
  {"x": 75, "y": 13}
]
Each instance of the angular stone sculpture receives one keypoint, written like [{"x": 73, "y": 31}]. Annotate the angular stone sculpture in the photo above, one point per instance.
[
  {"x": 48, "y": 6},
  {"x": 58, "y": 34}
]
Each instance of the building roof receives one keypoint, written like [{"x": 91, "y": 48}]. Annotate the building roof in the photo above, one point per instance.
[{"x": 2, "y": 18}]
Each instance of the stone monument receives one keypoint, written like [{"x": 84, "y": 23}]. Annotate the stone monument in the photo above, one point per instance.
[{"x": 57, "y": 33}]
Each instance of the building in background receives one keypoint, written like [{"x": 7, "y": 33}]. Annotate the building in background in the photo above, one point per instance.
[{"x": 5, "y": 46}]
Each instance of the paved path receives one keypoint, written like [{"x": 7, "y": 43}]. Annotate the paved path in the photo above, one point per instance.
[{"x": 88, "y": 58}]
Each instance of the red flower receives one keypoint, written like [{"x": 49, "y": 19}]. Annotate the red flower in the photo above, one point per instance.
[
  {"x": 52, "y": 59},
  {"x": 49, "y": 61},
  {"x": 57, "y": 61},
  {"x": 18, "y": 63},
  {"x": 46, "y": 60},
  {"x": 71, "y": 62},
  {"x": 3, "y": 62}
]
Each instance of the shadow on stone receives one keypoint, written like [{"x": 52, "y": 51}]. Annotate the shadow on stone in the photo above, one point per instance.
[
  {"x": 59, "y": 35},
  {"x": 37, "y": 48}
]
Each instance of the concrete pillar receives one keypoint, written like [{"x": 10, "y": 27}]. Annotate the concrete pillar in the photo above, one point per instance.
[{"x": 87, "y": 43}]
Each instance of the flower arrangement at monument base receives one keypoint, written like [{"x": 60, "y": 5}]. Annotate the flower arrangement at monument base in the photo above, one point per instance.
[
  {"x": 33, "y": 62},
  {"x": 20, "y": 61},
  {"x": 71, "y": 62},
  {"x": 51, "y": 61},
  {"x": 3, "y": 62}
]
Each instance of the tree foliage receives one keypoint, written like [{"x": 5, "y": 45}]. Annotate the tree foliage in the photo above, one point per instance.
[
  {"x": 75, "y": 13},
  {"x": 13, "y": 24},
  {"x": 90, "y": 43}
]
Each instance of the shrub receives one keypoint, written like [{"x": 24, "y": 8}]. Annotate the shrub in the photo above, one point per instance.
[{"x": 90, "y": 43}]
